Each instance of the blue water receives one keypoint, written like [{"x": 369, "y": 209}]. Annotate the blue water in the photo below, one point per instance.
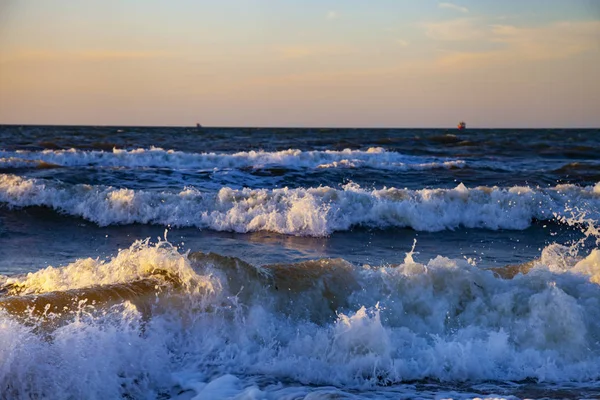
[{"x": 289, "y": 263}]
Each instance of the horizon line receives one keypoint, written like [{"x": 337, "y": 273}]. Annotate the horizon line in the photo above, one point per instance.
[{"x": 289, "y": 127}]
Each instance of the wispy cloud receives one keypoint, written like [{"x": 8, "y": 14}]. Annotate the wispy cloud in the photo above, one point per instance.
[
  {"x": 305, "y": 51},
  {"x": 331, "y": 15},
  {"x": 119, "y": 55},
  {"x": 554, "y": 41},
  {"x": 550, "y": 42},
  {"x": 453, "y": 7},
  {"x": 297, "y": 51},
  {"x": 343, "y": 78},
  {"x": 456, "y": 30},
  {"x": 402, "y": 42},
  {"x": 29, "y": 55},
  {"x": 87, "y": 55}
]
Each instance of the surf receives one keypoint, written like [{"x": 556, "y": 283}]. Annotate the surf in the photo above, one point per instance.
[
  {"x": 357, "y": 325},
  {"x": 317, "y": 211},
  {"x": 155, "y": 157}
]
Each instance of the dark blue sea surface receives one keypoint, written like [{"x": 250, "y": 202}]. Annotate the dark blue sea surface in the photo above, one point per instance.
[{"x": 163, "y": 262}]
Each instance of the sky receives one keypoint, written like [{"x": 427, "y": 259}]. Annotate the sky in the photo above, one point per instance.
[{"x": 320, "y": 63}]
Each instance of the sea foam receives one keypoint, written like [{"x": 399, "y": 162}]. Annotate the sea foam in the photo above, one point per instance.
[
  {"x": 375, "y": 157},
  {"x": 307, "y": 211},
  {"x": 442, "y": 319}
]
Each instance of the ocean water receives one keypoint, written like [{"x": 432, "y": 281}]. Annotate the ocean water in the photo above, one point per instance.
[{"x": 247, "y": 263}]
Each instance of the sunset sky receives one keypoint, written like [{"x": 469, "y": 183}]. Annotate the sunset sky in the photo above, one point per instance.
[{"x": 348, "y": 63}]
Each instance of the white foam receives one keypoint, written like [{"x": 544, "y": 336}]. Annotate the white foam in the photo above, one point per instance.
[
  {"x": 447, "y": 321},
  {"x": 292, "y": 158},
  {"x": 138, "y": 262},
  {"x": 312, "y": 211}
]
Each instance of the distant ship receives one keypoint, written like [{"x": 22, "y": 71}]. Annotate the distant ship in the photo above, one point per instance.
[
  {"x": 462, "y": 125},
  {"x": 198, "y": 126}
]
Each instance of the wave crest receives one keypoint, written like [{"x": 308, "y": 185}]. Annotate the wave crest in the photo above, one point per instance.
[
  {"x": 320, "y": 322},
  {"x": 312, "y": 212},
  {"x": 375, "y": 157}
]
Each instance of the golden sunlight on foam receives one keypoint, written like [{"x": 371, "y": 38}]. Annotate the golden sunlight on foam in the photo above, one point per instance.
[
  {"x": 512, "y": 270},
  {"x": 590, "y": 265},
  {"x": 54, "y": 309}
]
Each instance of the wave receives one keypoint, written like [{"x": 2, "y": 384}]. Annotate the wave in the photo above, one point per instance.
[
  {"x": 578, "y": 167},
  {"x": 307, "y": 211},
  {"x": 375, "y": 157},
  {"x": 231, "y": 326},
  {"x": 17, "y": 162}
]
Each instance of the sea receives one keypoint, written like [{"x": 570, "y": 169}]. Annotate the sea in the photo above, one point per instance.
[{"x": 277, "y": 263}]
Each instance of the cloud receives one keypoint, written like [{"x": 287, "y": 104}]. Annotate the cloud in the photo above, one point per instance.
[
  {"x": 297, "y": 51},
  {"x": 555, "y": 41},
  {"x": 456, "y": 30},
  {"x": 331, "y": 15},
  {"x": 87, "y": 55},
  {"x": 516, "y": 44},
  {"x": 344, "y": 78},
  {"x": 30, "y": 55},
  {"x": 305, "y": 51},
  {"x": 119, "y": 55},
  {"x": 402, "y": 42},
  {"x": 453, "y": 7}
]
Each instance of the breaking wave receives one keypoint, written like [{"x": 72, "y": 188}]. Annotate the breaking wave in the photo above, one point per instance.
[
  {"x": 307, "y": 211},
  {"x": 375, "y": 157},
  {"x": 214, "y": 326},
  {"x": 17, "y": 162}
]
